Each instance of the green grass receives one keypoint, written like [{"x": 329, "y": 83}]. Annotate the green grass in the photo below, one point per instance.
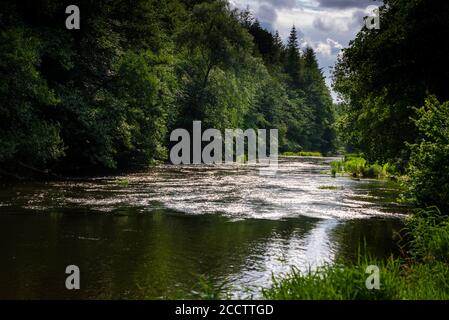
[
  {"x": 206, "y": 289},
  {"x": 398, "y": 281},
  {"x": 302, "y": 154},
  {"x": 330, "y": 187},
  {"x": 122, "y": 182},
  {"x": 423, "y": 273},
  {"x": 359, "y": 167},
  {"x": 430, "y": 235}
]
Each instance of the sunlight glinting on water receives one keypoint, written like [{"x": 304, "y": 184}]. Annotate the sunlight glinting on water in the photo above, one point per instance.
[
  {"x": 235, "y": 191},
  {"x": 228, "y": 222},
  {"x": 243, "y": 193}
]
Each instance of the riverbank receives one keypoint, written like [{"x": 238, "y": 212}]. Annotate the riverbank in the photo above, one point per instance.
[
  {"x": 357, "y": 166},
  {"x": 422, "y": 270},
  {"x": 421, "y": 273},
  {"x": 301, "y": 154}
]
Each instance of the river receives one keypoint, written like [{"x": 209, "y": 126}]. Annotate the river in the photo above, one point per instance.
[{"x": 175, "y": 230}]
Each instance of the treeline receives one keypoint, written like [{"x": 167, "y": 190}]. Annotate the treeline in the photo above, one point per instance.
[
  {"x": 106, "y": 97},
  {"x": 394, "y": 86}
]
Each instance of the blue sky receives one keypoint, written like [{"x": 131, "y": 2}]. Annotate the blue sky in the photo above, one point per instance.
[{"x": 325, "y": 25}]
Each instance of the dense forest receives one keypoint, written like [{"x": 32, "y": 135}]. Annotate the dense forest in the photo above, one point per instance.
[{"x": 105, "y": 97}]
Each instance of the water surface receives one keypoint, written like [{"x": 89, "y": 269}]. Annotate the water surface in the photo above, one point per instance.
[{"x": 161, "y": 233}]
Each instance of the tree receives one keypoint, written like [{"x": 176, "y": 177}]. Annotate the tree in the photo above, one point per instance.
[
  {"x": 317, "y": 97},
  {"x": 29, "y": 138},
  {"x": 212, "y": 42},
  {"x": 385, "y": 73},
  {"x": 293, "y": 59},
  {"x": 429, "y": 166},
  {"x": 104, "y": 98}
]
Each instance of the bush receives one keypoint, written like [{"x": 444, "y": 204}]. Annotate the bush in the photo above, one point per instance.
[
  {"x": 390, "y": 169},
  {"x": 373, "y": 171},
  {"x": 430, "y": 232},
  {"x": 429, "y": 162},
  {"x": 349, "y": 156},
  {"x": 355, "y": 166},
  {"x": 359, "y": 167}
]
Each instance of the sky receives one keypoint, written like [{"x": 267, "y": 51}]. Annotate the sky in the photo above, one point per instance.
[{"x": 325, "y": 25}]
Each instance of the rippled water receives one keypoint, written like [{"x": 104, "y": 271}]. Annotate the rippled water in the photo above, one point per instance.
[{"x": 155, "y": 234}]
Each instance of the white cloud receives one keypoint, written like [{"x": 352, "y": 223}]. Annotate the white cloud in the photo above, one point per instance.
[
  {"x": 328, "y": 48},
  {"x": 267, "y": 15}
]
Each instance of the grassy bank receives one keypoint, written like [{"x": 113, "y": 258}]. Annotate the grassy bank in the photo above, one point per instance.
[
  {"x": 340, "y": 282},
  {"x": 302, "y": 154},
  {"x": 356, "y": 166},
  {"x": 422, "y": 273}
]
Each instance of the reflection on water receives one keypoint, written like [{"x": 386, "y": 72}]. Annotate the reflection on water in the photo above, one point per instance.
[{"x": 153, "y": 236}]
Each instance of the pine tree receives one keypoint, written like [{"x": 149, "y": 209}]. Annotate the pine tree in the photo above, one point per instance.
[
  {"x": 293, "y": 59},
  {"x": 278, "y": 47},
  {"x": 293, "y": 45},
  {"x": 278, "y": 40},
  {"x": 320, "y": 103}
]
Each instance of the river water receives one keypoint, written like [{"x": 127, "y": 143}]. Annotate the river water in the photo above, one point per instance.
[{"x": 173, "y": 231}]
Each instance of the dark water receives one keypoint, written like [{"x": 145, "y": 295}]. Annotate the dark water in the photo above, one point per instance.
[{"x": 163, "y": 233}]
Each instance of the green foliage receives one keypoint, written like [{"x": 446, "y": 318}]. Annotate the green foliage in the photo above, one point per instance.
[
  {"x": 337, "y": 282},
  {"x": 215, "y": 53},
  {"x": 356, "y": 166},
  {"x": 390, "y": 169},
  {"x": 206, "y": 289},
  {"x": 359, "y": 167},
  {"x": 302, "y": 154},
  {"x": 373, "y": 171},
  {"x": 93, "y": 99},
  {"x": 106, "y": 97},
  {"x": 329, "y": 187},
  {"x": 122, "y": 182},
  {"x": 346, "y": 282},
  {"x": 385, "y": 73},
  {"x": 430, "y": 235},
  {"x": 302, "y": 105},
  {"x": 145, "y": 84},
  {"x": 429, "y": 166},
  {"x": 27, "y": 135}
]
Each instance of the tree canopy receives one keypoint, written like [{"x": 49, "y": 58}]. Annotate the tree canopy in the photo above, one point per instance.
[{"x": 106, "y": 97}]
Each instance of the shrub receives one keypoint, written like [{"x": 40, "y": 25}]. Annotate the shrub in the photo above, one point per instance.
[
  {"x": 430, "y": 233},
  {"x": 429, "y": 162},
  {"x": 372, "y": 171},
  {"x": 389, "y": 169},
  {"x": 359, "y": 167},
  {"x": 336, "y": 167},
  {"x": 355, "y": 166}
]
